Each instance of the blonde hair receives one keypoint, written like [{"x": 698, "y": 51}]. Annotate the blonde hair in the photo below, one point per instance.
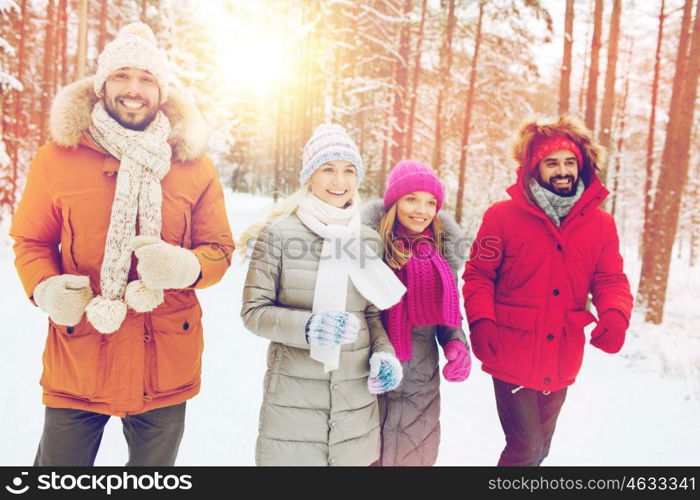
[
  {"x": 394, "y": 255},
  {"x": 278, "y": 212}
]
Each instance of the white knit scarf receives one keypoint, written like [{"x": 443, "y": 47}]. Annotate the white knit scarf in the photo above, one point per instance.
[
  {"x": 144, "y": 160},
  {"x": 343, "y": 256}
]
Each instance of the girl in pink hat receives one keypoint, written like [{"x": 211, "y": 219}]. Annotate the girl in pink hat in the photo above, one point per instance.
[{"x": 420, "y": 244}]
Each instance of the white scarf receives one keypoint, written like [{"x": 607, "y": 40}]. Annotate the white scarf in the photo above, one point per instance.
[
  {"x": 342, "y": 258},
  {"x": 144, "y": 160}
]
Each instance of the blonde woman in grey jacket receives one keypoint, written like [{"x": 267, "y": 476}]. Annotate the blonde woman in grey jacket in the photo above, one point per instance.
[{"x": 315, "y": 288}]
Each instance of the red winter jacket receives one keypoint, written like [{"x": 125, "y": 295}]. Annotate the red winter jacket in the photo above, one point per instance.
[{"x": 533, "y": 280}]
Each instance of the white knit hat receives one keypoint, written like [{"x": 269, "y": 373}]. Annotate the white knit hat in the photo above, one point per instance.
[
  {"x": 134, "y": 47},
  {"x": 329, "y": 142}
]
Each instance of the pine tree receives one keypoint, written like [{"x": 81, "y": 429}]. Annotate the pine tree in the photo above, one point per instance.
[
  {"x": 592, "y": 92},
  {"x": 663, "y": 220},
  {"x": 565, "y": 78}
]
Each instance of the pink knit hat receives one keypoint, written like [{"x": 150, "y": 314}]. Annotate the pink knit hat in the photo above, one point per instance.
[{"x": 409, "y": 176}]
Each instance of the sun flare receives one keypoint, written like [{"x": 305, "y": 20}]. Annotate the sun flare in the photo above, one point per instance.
[
  {"x": 253, "y": 57},
  {"x": 253, "y": 61}
]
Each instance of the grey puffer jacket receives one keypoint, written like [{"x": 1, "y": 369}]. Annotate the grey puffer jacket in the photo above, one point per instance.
[
  {"x": 309, "y": 417},
  {"x": 410, "y": 415}
]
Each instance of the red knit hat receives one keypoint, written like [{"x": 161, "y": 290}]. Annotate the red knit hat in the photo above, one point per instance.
[
  {"x": 545, "y": 145},
  {"x": 409, "y": 176}
]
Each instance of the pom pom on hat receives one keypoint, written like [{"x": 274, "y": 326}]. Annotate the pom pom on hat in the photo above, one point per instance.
[{"x": 139, "y": 29}]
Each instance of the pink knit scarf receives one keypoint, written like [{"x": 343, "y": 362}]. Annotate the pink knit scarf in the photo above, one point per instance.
[{"x": 431, "y": 298}]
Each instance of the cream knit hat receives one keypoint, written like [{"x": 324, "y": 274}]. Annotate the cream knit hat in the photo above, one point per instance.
[
  {"x": 134, "y": 47},
  {"x": 329, "y": 142}
]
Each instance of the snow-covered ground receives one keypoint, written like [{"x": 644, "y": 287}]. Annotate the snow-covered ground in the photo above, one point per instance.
[{"x": 638, "y": 408}]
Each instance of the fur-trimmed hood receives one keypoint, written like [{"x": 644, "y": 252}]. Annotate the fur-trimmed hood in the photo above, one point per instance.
[
  {"x": 594, "y": 155},
  {"x": 71, "y": 114},
  {"x": 456, "y": 246}
]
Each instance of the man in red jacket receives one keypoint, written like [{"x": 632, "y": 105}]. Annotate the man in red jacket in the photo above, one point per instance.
[{"x": 534, "y": 261}]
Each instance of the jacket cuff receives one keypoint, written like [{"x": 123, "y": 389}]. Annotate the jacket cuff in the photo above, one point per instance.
[{"x": 213, "y": 263}]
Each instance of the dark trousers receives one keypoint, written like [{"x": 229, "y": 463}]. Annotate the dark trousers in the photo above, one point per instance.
[
  {"x": 72, "y": 437},
  {"x": 528, "y": 418}
]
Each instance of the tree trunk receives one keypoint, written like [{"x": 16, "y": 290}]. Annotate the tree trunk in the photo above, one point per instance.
[
  {"x": 464, "y": 147},
  {"x": 278, "y": 144},
  {"x": 337, "y": 55},
  {"x": 381, "y": 179},
  {"x": 681, "y": 59},
  {"x": 102, "y": 35},
  {"x": 5, "y": 127},
  {"x": 401, "y": 89},
  {"x": 414, "y": 84},
  {"x": 584, "y": 74},
  {"x": 311, "y": 91},
  {"x": 621, "y": 130},
  {"x": 565, "y": 79},
  {"x": 60, "y": 22},
  {"x": 663, "y": 220},
  {"x": 592, "y": 92},
  {"x": 81, "y": 54},
  {"x": 695, "y": 220},
  {"x": 47, "y": 76},
  {"x": 648, "y": 183},
  {"x": 445, "y": 66},
  {"x": 681, "y": 56},
  {"x": 606, "y": 114},
  {"x": 18, "y": 122},
  {"x": 299, "y": 108},
  {"x": 63, "y": 13}
]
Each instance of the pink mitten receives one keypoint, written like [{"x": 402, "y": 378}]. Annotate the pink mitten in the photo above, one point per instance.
[{"x": 459, "y": 361}]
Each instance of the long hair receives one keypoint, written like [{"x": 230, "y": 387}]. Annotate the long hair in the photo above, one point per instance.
[
  {"x": 277, "y": 213},
  {"x": 395, "y": 255}
]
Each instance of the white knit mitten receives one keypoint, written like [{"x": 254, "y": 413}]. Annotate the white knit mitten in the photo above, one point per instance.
[
  {"x": 64, "y": 298},
  {"x": 385, "y": 372},
  {"x": 162, "y": 265},
  {"x": 332, "y": 328}
]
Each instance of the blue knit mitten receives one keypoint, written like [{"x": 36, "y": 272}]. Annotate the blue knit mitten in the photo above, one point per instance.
[
  {"x": 332, "y": 328},
  {"x": 385, "y": 372}
]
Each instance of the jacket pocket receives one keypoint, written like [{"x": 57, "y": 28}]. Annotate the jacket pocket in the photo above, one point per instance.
[
  {"x": 73, "y": 360},
  {"x": 186, "y": 238},
  {"x": 68, "y": 239},
  {"x": 572, "y": 343},
  {"x": 514, "y": 343},
  {"x": 178, "y": 345}
]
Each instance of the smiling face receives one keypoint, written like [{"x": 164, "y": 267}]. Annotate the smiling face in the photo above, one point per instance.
[
  {"x": 558, "y": 172},
  {"x": 131, "y": 97},
  {"x": 334, "y": 182},
  {"x": 416, "y": 210}
]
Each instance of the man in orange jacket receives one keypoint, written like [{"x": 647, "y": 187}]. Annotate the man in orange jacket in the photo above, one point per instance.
[{"x": 122, "y": 218}]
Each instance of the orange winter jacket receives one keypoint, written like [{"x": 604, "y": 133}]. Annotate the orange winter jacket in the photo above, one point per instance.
[{"x": 60, "y": 226}]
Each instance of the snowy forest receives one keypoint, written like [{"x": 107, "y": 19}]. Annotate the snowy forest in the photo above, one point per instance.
[{"x": 447, "y": 82}]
